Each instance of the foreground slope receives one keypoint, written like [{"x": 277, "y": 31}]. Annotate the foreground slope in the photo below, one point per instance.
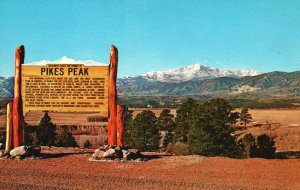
[{"x": 70, "y": 169}]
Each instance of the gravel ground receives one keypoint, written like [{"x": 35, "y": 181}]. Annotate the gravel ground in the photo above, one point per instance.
[{"x": 70, "y": 169}]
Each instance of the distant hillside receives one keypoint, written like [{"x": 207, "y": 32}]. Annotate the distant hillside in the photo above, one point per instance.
[
  {"x": 6, "y": 87},
  {"x": 267, "y": 84}
]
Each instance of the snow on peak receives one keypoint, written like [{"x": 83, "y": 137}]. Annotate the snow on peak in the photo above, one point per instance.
[
  {"x": 196, "y": 71},
  {"x": 66, "y": 60}
]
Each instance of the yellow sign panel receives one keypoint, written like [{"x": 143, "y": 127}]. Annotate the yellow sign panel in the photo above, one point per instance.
[{"x": 65, "y": 88}]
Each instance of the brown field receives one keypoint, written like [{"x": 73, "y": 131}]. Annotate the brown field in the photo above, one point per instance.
[
  {"x": 69, "y": 168},
  {"x": 281, "y": 124}
]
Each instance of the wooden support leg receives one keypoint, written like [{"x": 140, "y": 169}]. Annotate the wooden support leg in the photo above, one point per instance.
[
  {"x": 112, "y": 124},
  {"x": 17, "y": 113},
  {"x": 120, "y": 125},
  {"x": 8, "y": 128}
]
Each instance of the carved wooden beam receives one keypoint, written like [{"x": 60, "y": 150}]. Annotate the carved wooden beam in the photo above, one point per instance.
[
  {"x": 120, "y": 125},
  {"x": 112, "y": 122},
  {"x": 17, "y": 113},
  {"x": 8, "y": 128}
]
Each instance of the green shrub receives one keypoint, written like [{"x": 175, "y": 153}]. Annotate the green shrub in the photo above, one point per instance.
[
  {"x": 265, "y": 147},
  {"x": 87, "y": 144},
  {"x": 65, "y": 139},
  {"x": 261, "y": 147},
  {"x": 248, "y": 144}
]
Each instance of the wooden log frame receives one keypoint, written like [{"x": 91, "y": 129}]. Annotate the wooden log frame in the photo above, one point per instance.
[
  {"x": 17, "y": 113},
  {"x": 8, "y": 128},
  {"x": 112, "y": 101}
]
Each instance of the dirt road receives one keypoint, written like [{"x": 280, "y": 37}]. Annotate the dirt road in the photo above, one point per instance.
[{"x": 71, "y": 169}]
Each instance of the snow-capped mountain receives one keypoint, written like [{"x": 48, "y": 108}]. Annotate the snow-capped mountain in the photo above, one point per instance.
[
  {"x": 197, "y": 71},
  {"x": 66, "y": 60}
]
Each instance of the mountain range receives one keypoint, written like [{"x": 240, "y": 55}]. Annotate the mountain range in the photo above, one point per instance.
[
  {"x": 273, "y": 84},
  {"x": 209, "y": 81},
  {"x": 197, "y": 71},
  {"x": 196, "y": 79}
]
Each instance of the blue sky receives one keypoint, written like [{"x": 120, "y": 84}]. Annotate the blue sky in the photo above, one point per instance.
[{"x": 154, "y": 35}]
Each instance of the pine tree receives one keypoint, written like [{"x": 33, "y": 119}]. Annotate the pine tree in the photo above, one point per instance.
[
  {"x": 166, "y": 125},
  {"x": 182, "y": 120},
  {"x": 210, "y": 134},
  {"x": 45, "y": 132},
  {"x": 128, "y": 119},
  {"x": 144, "y": 133},
  {"x": 245, "y": 117}
]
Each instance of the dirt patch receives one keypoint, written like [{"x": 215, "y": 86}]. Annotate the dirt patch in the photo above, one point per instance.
[{"x": 69, "y": 168}]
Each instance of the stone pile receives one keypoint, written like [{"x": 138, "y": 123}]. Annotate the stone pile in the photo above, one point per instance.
[
  {"x": 22, "y": 152},
  {"x": 107, "y": 153}
]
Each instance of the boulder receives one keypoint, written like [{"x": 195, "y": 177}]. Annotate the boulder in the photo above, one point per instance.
[
  {"x": 139, "y": 160},
  {"x": 135, "y": 151},
  {"x": 109, "y": 153},
  {"x": 18, "y": 158},
  {"x": 113, "y": 153},
  {"x": 34, "y": 151},
  {"x": 2, "y": 146},
  {"x": 19, "y": 151},
  {"x": 98, "y": 153},
  {"x": 128, "y": 155},
  {"x": 104, "y": 147}
]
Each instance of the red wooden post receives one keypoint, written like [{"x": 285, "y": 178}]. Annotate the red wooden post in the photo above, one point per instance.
[
  {"x": 17, "y": 113},
  {"x": 112, "y": 122},
  {"x": 120, "y": 125}
]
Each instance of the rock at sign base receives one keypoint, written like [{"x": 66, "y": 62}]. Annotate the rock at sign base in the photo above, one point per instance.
[
  {"x": 34, "y": 151},
  {"x": 104, "y": 147},
  {"x": 98, "y": 153},
  {"x": 128, "y": 155},
  {"x": 112, "y": 153},
  {"x": 1, "y": 146},
  {"x": 135, "y": 151},
  {"x": 19, "y": 151},
  {"x": 109, "y": 153}
]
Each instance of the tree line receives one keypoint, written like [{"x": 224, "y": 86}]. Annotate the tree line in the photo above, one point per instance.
[
  {"x": 46, "y": 135},
  {"x": 202, "y": 128}
]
